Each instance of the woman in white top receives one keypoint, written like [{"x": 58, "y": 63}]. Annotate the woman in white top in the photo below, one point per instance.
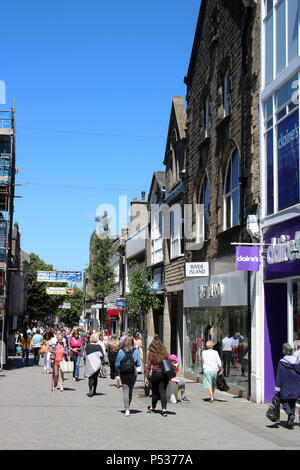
[{"x": 212, "y": 365}]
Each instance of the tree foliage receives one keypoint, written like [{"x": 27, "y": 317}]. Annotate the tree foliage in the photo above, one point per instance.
[
  {"x": 101, "y": 275},
  {"x": 39, "y": 303},
  {"x": 70, "y": 317},
  {"x": 141, "y": 298}
]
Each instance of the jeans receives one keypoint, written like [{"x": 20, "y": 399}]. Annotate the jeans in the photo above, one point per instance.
[
  {"x": 128, "y": 382},
  {"x": 76, "y": 360},
  {"x": 159, "y": 383},
  {"x": 25, "y": 355}
]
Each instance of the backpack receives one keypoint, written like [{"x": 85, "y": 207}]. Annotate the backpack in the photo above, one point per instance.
[{"x": 127, "y": 363}]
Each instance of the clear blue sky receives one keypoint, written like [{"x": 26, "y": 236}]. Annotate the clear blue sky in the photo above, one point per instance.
[{"x": 90, "y": 67}]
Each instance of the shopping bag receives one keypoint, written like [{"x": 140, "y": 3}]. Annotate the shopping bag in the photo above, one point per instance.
[
  {"x": 66, "y": 366},
  {"x": 273, "y": 412}
]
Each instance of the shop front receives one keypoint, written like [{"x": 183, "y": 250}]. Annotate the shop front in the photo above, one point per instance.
[
  {"x": 216, "y": 307},
  {"x": 282, "y": 294},
  {"x": 112, "y": 322}
]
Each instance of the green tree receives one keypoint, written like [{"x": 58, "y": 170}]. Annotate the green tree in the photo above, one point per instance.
[
  {"x": 39, "y": 303},
  {"x": 101, "y": 275},
  {"x": 141, "y": 298},
  {"x": 70, "y": 317}
]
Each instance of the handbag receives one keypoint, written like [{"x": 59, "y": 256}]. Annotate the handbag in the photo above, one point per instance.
[
  {"x": 168, "y": 368},
  {"x": 221, "y": 384},
  {"x": 273, "y": 412},
  {"x": 43, "y": 349},
  {"x": 66, "y": 366}
]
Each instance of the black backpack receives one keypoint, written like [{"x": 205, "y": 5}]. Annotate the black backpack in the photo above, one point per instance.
[{"x": 127, "y": 363}]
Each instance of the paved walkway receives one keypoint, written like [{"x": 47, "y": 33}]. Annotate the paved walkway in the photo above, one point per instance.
[{"x": 33, "y": 417}]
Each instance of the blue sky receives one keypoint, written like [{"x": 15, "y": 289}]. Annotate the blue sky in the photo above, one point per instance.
[{"x": 90, "y": 79}]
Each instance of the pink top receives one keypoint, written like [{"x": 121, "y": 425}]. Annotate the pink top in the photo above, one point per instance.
[
  {"x": 59, "y": 354},
  {"x": 76, "y": 344}
]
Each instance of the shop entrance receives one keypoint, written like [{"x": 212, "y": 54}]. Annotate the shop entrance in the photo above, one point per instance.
[{"x": 275, "y": 332}]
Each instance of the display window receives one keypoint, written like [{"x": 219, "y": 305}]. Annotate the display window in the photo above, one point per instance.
[{"x": 218, "y": 324}]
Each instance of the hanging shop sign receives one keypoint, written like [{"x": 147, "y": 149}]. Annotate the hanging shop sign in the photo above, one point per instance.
[
  {"x": 247, "y": 258},
  {"x": 120, "y": 302},
  {"x": 154, "y": 285},
  {"x": 59, "y": 276},
  {"x": 64, "y": 305},
  {"x": 59, "y": 291},
  {"x": 282, "y": 246},
  {"x": 197, "y": 269}
]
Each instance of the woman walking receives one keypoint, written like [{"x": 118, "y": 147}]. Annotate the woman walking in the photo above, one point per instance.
[
  {"x": 288, "y": 383},
  {"x": 212, "y": 365},
  {"x": 26, "y": 343},
  {"x": 159, "y": 382},
  {"x": 93, "y": 363},
  {"x": 128, "y": 359},
  {"x": 58, "y": 352},
  {"x": 113, "y": 348},
  {"x": 75, "y": 346},
  {"x": 47, "y": 362}
]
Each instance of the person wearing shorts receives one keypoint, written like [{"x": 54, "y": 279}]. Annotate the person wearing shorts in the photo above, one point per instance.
[{"x": 212, "y": 365}]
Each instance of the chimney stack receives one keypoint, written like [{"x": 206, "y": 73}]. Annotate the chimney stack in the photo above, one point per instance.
[{"x": 143, "y": 195}]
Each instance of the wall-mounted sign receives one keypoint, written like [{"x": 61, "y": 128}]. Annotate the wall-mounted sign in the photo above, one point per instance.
[
  {"x": 284, "y": 249},
  {"x": 120, "y": 302},
  {"x": 212, "y": 291},
  {"x": 59, "y": 276},
  {"x": 247, "y": 258},
  {"x": 197, "y": 269}
]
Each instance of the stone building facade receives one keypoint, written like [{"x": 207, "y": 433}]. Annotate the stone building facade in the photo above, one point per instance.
[{"x": 222, "y": 181}]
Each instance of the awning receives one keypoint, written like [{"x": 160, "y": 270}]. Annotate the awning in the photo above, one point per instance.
[{"x": 112, "y": 313}]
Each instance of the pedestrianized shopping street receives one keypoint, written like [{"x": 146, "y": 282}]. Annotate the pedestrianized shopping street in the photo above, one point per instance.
[{"x": 34, "y": 418}]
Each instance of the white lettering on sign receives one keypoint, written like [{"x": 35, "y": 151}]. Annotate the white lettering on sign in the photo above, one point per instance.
[
  {"x": 210, "y": 291},
  {"x": 253, "y": 259},
  {"x": 288, "y": 137},
  {"x": 197, "y": 269},
  {"x": 284, "y": 249}
]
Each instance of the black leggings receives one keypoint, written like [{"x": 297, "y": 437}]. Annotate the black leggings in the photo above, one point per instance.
[
  {"x": 112, "y": 356},
  {"x": 93, "y": 381},
  {"x": 159, "y": 383}
]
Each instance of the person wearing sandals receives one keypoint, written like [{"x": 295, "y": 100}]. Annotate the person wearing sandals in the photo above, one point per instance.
[
  {"x": 212, "y": 365},
  {"x": 159, "y": 382},
  {"x": 130, "y": 356},
  {"x": 58, "y": 353}
]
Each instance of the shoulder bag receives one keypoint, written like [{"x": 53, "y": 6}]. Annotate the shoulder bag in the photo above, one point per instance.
[
  {"x": 168, "y": 368},
  {"x": 66, "y": 366}
]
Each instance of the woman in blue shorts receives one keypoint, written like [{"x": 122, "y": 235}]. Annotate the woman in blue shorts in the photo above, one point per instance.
[{"x": 212, "y": 365}]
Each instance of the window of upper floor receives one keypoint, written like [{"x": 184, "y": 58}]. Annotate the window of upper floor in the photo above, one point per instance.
[
  {"x": 281, "y": 148},
  {"x": 232, "y": 191},
  {"x": 280, "y": 36},
  {"x": 203, "y": 212},
  {"x": 176, "y": 231}
]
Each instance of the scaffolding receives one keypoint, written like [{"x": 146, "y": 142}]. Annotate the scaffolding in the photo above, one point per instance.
[{"x": 7, "y": 175}]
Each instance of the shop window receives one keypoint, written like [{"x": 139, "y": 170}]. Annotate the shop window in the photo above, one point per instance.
[
  {"x": 215, "y": 324},
  {"x": 231, "y": 192},
  {"x": 282, "y": 159}
]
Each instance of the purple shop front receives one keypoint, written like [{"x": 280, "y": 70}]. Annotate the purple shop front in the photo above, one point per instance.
[{"x": 281, "y": 263}]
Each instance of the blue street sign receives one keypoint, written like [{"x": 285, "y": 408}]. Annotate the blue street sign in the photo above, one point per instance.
[{"x": 120, "y": 303}]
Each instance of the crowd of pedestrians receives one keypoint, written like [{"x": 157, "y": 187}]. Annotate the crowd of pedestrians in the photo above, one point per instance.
[
  {"x": 64, "y": 347},
  {"x": 61, "y": 350}
]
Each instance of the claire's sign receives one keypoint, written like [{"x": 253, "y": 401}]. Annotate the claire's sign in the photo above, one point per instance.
[{"x": 247, "y": 258}]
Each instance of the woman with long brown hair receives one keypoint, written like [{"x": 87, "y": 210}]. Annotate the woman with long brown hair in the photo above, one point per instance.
[
  {"x": 159, "y": 382},
  {"x": 113, "y": 348}
]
